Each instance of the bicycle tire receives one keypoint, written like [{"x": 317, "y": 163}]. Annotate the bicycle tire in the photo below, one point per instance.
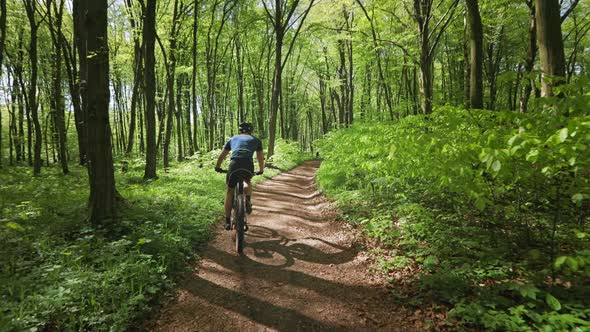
[{"x": 239, "y": 219}]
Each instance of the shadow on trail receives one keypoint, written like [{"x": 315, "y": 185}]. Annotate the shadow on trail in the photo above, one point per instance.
[
  {"x": 263, "y": 312},
  {"x": 277, "y": 274},
  {"x": 291, "y": 249}
]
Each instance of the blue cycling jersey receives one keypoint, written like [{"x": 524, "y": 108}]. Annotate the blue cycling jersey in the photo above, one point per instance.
[{"x": 243, "y": 146}]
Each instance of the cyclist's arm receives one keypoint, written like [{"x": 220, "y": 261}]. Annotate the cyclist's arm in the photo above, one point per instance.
[
  {"x": 221, "y": 158},
  {"x": 260, "y": 157}
]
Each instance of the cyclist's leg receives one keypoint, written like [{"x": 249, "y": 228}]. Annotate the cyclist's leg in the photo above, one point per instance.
[
  {"x": 248, "y": 191},
  {"x": 228, "y": 206},
  {"x": 228, "y": 201},
  {"x": 248, "y": 187}
]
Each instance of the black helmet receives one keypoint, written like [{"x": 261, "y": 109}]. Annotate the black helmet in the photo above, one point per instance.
[{"x": 246, "y": 127}]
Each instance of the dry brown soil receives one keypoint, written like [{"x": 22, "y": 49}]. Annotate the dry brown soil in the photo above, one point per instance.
[{"x": 301, "y": 271}]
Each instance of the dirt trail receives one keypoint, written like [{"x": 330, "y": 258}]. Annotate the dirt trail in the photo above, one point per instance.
[{"x": 301, "y": 271}]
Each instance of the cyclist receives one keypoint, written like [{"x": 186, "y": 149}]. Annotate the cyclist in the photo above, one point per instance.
[{"x": 241, "y": 166}]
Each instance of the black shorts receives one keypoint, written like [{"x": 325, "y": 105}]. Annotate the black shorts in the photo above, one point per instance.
[{"x": 239, "y": 170}]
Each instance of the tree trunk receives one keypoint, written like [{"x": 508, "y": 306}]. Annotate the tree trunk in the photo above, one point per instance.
[
  {"x": 276, "y": 87},
  {"x": 149, "y": 42},
  {"x": 58, "y": 104},
  {"x": 170, "y": 70},
  {"x": 74, "y": 87},
  {"x": 30, "y": 6},
  {"x": 550, "y": 45},
  {"x": 178, "y": 113},
  {"x": 194, "y": 79},
  {"x": 281, "y": 23},
  {"x": 530, "y": 59},
  {"x": 137, "y": 76},
  {"x": 382, "y": 82},
  {"x": 476, "y": 41},
  {"x": 2, "y": 40},
  {"x": 240, "y": 79},
  {"x": 103, "y": 196}
]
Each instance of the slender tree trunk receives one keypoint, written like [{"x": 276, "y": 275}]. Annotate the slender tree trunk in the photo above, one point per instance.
[
  {"x": 149, "y": 42},
  {"x": 58, "y": 104},
  {"x": 74, "y": 87},
  {"x": 426, "y": 74},
  {"x": 281, "y": 23},
  {"x": 30, "y": 6},
  {"x": 194, "y": 78},
  {"x": 178, "y": 113},
  {"x": 382, "y": 82},
  {"x": 350, "y": 73},
  {"x": 170, "y": 70},
  {"x": 240, "y": 80},
  {"x": 550, "y": 45},
  {"x": 530, "y": 59},
  {"x": 476, "y": 40},
  {"x": 137, "y": 77},
  {"x": 16, "y": 117},
  {"x": 276, "y": 87},
  {"x": 2, "y": 40}
]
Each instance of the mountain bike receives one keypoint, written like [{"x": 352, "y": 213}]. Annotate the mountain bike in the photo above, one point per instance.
[{"x": 239, "y": 221}]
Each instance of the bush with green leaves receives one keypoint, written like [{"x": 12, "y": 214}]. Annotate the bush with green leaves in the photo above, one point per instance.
[{"x": 480, "y": 197}]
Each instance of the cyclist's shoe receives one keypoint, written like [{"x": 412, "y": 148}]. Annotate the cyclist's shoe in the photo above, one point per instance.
[
  {"x": 248, "y": 206},
  {"x": 245, "y": 227},
  {"x": 227, "y": 224}
]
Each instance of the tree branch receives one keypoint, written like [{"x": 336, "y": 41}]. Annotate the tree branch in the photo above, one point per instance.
[
  {"x": 297, "y": 33},
  {"x": 569, "y": 10},
  {"x": 443, "y": 28}
]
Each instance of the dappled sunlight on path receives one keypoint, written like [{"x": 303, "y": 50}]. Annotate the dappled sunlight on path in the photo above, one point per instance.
[{"x": 301, "y": 271}]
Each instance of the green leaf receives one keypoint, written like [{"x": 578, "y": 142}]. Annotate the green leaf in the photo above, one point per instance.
[
  {"x": 143, "y": 241},
  {"x": 572, "y": 161},
  {"x": 532, "y": 156},
  {"x": 552, "y": 302},
  {"x": 14, "y": 225},
  {"x": 559, "y": 261},
  {"x": 563, "y": 135},
  {"x": 577, "y": 198},
  {"x": 431, "y": 261},
  {"x": 572, "y": 263},
  {"x": 496, "y": 166},
  {"x": 480, "y": 203}
]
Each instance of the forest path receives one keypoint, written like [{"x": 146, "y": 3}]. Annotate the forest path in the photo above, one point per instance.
[{"x": 301, "y": 271}]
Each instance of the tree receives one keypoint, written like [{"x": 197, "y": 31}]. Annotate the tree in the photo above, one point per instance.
[
  {"x": 2, "y": 40},
  {"x": 137, "y": 74},
  {"x": 33, "y": 106},
  {"x": 429, "y": 38},
  {"x": 382, "y": 81},
  {"x": 92, "y": 16},
  {"x": 55, "y": 16},
  {"x": 550, "y": 44},
  {"x": 149, "y": 42},
  {"x": 476, "y": 46},
  {"x": 281, "y": 22},
  {"x": 530, "y": 58},
  {"x": 170, "y": 80}
]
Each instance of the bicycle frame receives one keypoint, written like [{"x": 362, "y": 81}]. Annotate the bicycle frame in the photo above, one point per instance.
[{"x": 239, "y": 220}]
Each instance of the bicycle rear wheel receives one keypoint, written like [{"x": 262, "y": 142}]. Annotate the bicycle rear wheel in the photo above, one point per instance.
[{"x": 239, "y": 217}]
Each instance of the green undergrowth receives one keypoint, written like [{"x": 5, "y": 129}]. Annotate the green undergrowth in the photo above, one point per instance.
[
  {"x": 491, "y": 207},
  {"x": 59, "y": 273}
]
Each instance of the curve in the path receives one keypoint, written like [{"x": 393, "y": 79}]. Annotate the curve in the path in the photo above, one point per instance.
[{"x": 301, "y": 271}]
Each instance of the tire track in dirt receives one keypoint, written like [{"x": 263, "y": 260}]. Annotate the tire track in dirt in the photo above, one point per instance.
[{"x": 301, "y": 271}]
